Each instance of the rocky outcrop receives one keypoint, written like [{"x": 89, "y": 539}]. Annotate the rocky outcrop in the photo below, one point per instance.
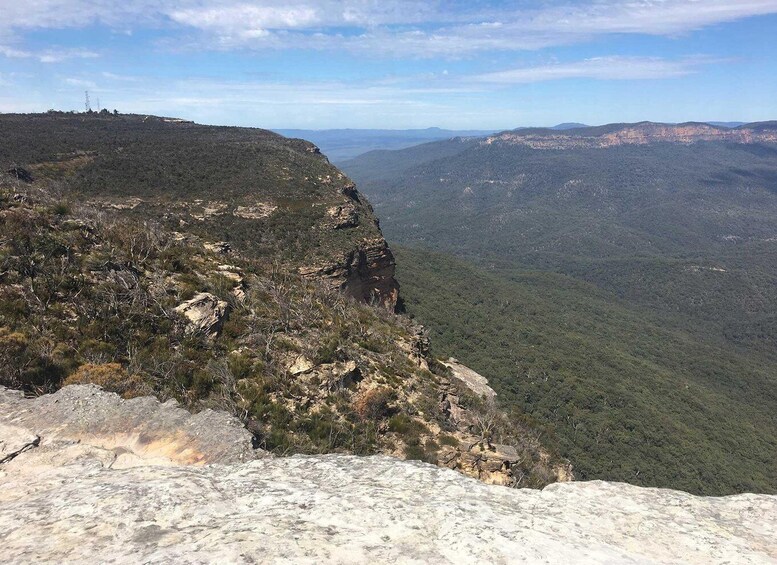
[
  {"x": 493, "y": 464},
  {"x": 205, "y": 313},
  {"x": 347, "y": 509},
  {"x": 126, "y": 432},
  {"x": 300, "y": 366},
  {"x": 633, "y": 134},
  {"x": 257, "y": 211},
  {"x": 342, "y": 217},
  {"x": 474, "y": 451},
  {"x": 476, "y": 382},
  {"x": 21, "y": 174},
  {"x": 86, "y": 476},
  {"x": 366, "y": 273},
  {"x": 222, "y": 247}
]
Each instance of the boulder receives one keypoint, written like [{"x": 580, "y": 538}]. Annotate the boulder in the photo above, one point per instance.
[
  {"x": 221, "y": 247},
  {"x": 300, "y": 366},
  {"x": 205, "y": 313},
  {"x": 258, "y": 211},
  {"x": 342, "y": 217},
  {"x": 15, "y": 441},
  {"x": 476, "y": 382}
]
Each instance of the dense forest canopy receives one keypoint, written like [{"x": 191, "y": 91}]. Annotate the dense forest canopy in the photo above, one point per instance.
[{"x": 626, "y": 295}]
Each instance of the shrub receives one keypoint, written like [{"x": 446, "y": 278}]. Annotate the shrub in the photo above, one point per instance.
[
  {"x": 110, "y": 376},
  {"x": 29, "y": 364},
  {"x": 374, "y": 403},
  {"x": 13, "y": 350},
  {"x": 449, "y": 440},
  {"x": 61, "y": 209},
  {"x": 327, "y": 352},
  {"x": 404, "y": 425}
]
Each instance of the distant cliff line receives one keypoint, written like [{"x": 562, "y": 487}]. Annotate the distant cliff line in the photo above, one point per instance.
[{"x": 642, "y": 133}]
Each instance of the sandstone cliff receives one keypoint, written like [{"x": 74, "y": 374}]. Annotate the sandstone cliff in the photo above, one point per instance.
[
  {"x": 634, "y": 134},
  {"x": 365, "y": 273},
  {"x": 64, "y": 499}
]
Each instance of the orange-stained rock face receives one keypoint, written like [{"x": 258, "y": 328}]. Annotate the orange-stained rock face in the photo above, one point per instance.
[{"x": 132, "y": 432}]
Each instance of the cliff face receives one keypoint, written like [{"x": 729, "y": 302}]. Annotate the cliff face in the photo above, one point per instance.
[
  {"x": 365, "y": 273},
  {"x": 269, "y": 198},
  {"x": 634, "y": 134},
  {"x": 69, "y": 501}
]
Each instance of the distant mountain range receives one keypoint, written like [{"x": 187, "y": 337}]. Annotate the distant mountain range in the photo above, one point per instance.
[
  {"x": 569, "y": 125},
  {"x": 343, "y": 144}
]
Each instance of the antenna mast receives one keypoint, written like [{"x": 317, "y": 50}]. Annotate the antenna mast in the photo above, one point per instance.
[
  {"x": 87, "y": 105},
  {"x": 98, "y": 104}
]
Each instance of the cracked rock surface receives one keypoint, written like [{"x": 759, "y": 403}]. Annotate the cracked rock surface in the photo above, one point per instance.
[{"x": 66, "y": 502}]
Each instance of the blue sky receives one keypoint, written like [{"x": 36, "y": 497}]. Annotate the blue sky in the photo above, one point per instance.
[{"x": 394, "y": 63}]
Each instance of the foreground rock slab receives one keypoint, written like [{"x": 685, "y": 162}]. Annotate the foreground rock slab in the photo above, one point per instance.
[
  {"x": 346, "y": 509},
  {"x": 140, "y": 431}
]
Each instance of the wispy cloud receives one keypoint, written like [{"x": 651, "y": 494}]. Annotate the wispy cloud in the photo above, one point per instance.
[
  {"x": 397, "y": 27},
  {"x": 118, "y": 77},
  {"x": 80, "y": 83},
  {"x": 49, "y": 55},
  {"x": 601, "y": 68},
  {"x": 432, "y": 29}
]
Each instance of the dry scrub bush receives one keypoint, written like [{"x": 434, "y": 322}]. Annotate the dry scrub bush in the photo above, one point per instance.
[
  {"x": 374, "y": 403},
  {"x": 110, "y": 376}
]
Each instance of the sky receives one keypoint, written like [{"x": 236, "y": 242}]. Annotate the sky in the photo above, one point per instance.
[{"x": 395, "y": 64}]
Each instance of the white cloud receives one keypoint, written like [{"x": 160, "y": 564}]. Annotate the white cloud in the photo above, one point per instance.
[
  {"x": 12, "y": 53},
  {"x": 80, "y": 83},
  {"x": 400, "y": 27},
  {"x": 49, "y": 55},
  {"x": 57, "y": 55},
  {"x": 659, "y": 17},
  {"x": 117, "y": 77},
  {"x": 246, "y": 19},
  {"x": 602, "y": 68},
  {"x": 59, "y": 14}
]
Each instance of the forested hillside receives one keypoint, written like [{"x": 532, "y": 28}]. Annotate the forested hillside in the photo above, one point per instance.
[
  {"x": 630, "y": 395},
  {"x": 637, "y": 263}
]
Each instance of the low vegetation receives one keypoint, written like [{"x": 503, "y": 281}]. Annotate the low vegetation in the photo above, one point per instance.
[{"x": 91, "y": 296}]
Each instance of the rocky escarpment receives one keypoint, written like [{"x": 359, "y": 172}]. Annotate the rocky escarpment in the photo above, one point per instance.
[
  {"x": 65, "y": 503},
  {"x": 271, "y": 199},
  {"x": 366, "y": 271},
  {"x": 635, "y": 134},
  {"x": 140, "y": 310}
]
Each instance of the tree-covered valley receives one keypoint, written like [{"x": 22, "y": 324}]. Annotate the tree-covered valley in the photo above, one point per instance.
[{"x": 620, "y": 289}]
